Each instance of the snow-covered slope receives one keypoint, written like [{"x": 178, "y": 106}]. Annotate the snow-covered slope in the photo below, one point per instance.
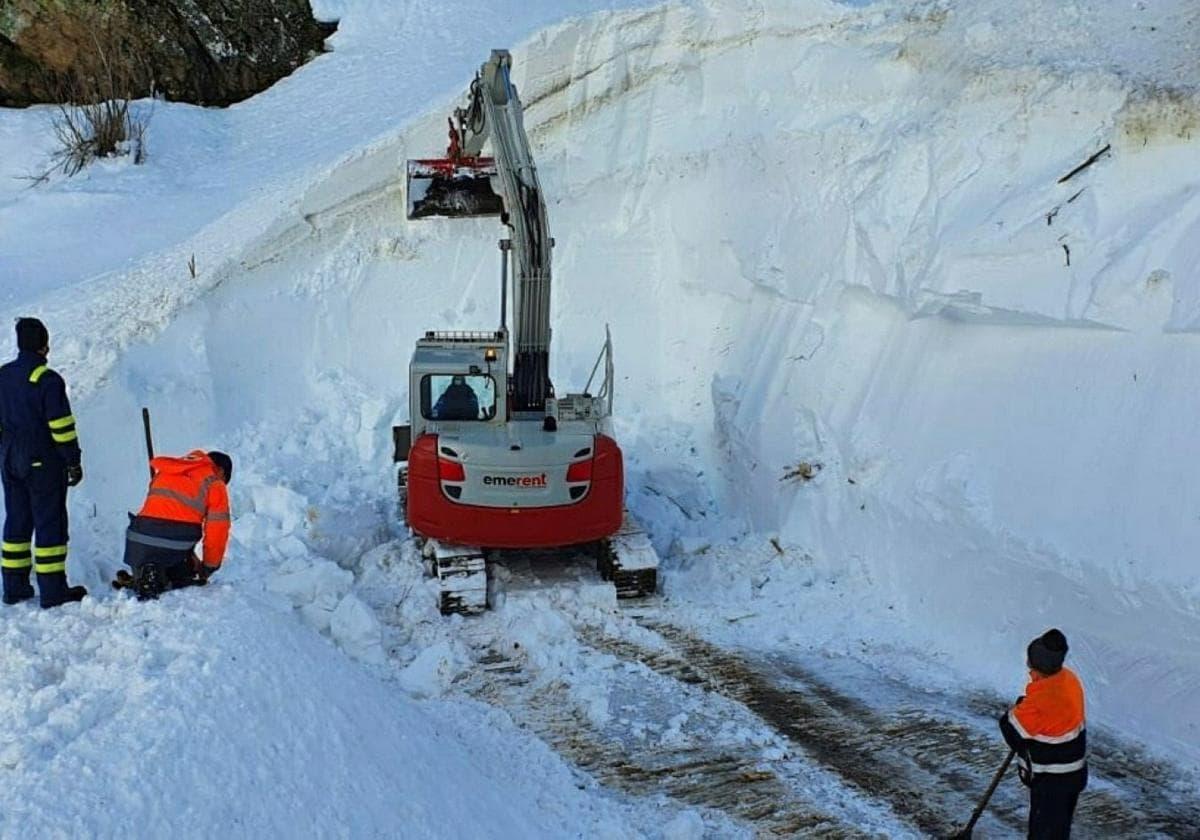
[
  {"x": 820, "y": 232},
  {"x": 197, "y": 717}
]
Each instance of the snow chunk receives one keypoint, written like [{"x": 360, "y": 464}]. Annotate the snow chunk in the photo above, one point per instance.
[
  {"x": 354, "y": 626},
  {"x": 286, "y": 507},
  {"x": 687, "y": 825},
  {"x": 434, "y": 669}
]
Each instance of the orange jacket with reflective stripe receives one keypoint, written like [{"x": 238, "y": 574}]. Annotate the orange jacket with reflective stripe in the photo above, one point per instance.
[
  {"x": 190, "y": 489},
  {"x": 1047, "y": 728},
  {"x": 1053, "y": 706}
]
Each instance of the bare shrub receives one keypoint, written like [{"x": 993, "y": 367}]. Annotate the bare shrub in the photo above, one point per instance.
[{"x": 94, "y": 117}]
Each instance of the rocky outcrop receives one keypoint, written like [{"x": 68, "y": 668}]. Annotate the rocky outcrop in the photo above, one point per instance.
[{"x": 210, "y": 52}]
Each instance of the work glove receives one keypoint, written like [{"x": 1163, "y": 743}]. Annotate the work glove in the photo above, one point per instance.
[{"x": 74, "y": 475}]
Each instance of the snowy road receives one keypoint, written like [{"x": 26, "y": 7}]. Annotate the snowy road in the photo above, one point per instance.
[{"x": 766, "y": 744}]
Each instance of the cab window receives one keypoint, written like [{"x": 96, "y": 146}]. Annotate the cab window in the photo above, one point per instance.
[{"x": 458, "y": 396}]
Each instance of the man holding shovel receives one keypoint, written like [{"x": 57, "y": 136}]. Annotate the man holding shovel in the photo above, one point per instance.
[
  {"x": 1046, "y": 731},
  {"x": 187, "y": 501}
]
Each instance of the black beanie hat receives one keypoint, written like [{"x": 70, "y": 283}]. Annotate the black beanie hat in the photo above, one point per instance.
[
  {"x": 32, "y": 335},
  {"x": 1047, "y": 652},
  {"x": 223, "y": 462}
]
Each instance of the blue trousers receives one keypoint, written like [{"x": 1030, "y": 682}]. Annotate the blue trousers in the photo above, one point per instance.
[{"x": 35, "y": 533}]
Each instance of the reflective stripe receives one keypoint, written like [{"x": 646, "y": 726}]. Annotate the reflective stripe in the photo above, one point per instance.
[
  {"x": 1043, "y": 739},
  {"x": 62, "y": 422},
  {"x": 159, "y": 542},
  {"x": 197, "y": 506},
  {"x": 218, "y": 517},
  {"x": 1012, "y": 718},
  {"x": 37, "y": 372},
  {"x": 1057, "y": 739},
  {"x": 1059, "y": 768},
  {"x": 16, "y": 555},
  {"x": 64, "y": 437},
  {"x": 49, "y": 567}
]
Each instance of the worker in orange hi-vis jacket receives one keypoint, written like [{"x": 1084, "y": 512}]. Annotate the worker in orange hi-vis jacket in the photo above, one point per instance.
[
  {"x": 188, "y": 500},
  {"x": 1047, "y": 730}
]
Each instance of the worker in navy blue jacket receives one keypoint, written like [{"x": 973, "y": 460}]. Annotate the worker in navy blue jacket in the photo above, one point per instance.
[{"x": 39, "y": 460}]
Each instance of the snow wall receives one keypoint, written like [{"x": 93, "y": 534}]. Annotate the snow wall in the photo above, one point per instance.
[{"x": 819, "y": 234}]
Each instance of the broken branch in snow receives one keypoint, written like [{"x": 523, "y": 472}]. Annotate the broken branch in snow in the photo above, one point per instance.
[
  {"x": 1086, "y": 163},
  {"x": 803, "y": 471},
  {"x": 653, "y": 491}
]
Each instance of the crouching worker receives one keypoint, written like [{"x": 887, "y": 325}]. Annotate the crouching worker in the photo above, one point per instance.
[{"x": 188, "y": 501}]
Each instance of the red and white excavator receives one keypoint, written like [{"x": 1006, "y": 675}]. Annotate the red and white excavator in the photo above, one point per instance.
[{"x": 493, "y": 460}]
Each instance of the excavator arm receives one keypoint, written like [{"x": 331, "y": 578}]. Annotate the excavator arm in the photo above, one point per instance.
[{"x": 460, "y": 185}]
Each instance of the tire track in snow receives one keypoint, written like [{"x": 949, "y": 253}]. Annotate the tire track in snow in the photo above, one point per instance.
[
  {"x": 930, "y": 769},
  {"x": 731, "y": 779},
  {"x": 1128, "y": 795},
  {"x": 833, "y": 739}
]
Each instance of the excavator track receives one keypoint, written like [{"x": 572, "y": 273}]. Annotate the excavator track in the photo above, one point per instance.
[
  {"x": 461, "y": 572},
  {"x": 629, "y": 561}
]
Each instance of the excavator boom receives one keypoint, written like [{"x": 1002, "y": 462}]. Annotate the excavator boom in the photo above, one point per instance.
[{"x": 466, "y": 184}]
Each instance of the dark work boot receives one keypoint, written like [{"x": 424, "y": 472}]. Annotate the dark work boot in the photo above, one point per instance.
[
  {"x": 149, "y": 581},
  {"x": 16, "y": 586},
  {"x": 55, "y": 592}
]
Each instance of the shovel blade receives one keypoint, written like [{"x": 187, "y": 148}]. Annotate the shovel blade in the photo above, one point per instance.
[{"x": 452, "y": 188}]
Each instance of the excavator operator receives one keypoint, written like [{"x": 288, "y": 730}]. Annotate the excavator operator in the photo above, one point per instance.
[{"x": 458, "y": 402}]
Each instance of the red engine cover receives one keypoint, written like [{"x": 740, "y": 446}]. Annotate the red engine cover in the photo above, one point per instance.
[{"x": 596, "y": 516}]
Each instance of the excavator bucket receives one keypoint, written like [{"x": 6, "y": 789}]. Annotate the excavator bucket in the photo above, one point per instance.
[{"x": 455, "y": 188}]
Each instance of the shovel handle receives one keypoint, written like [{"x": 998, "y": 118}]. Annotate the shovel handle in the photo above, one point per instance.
[
  {"x": 149, "y": 439},
  {"x": 987, "y": 797}
]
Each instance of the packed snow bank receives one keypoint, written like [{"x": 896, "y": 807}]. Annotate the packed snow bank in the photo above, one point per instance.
[
  {"x": 204, "y": 714},
  {"x": 847, "y": 243}
]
